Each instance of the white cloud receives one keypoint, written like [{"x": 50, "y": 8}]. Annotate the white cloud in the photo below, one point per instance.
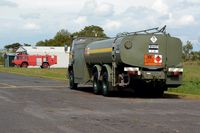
[
  {"x": 160, "y": 6},
  {"x": 30, "y": 15},
  {"x": 81, "y": 20},
  {"x": 104, "y": 9},
  {"x": 91, "y": 7},
  {"x": 181, "y": 21},
  {"x": 199, "y": 40},
  {"x": 186, "y": 20},
  {"x": 8, "y": 3},
  {"x": 112, "y": 25},
  {"x": 31, "y": 26}
]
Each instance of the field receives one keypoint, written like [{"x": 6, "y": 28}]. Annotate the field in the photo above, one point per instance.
[
  {"x": 191, "y": 76},
  {"x": 53, "y": 73}
]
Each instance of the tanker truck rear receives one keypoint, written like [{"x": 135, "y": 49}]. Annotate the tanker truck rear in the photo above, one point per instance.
[{"x": 147, "y": 61}]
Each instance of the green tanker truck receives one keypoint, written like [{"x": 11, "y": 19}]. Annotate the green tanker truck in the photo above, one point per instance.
[{"x": 147, "y": 61}]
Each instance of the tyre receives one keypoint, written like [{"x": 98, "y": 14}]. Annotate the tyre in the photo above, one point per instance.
[
  {"x": 45, "y": 65},
  {"x": 96, "y": 84},
  {"x": 72, "y": 85},
  {"x": 105, "y": 85},
  {"x": 24, "y": 65}
]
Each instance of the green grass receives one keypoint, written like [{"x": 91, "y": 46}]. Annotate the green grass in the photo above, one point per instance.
[
  {"x": 191, "y": 79},
  {"x": 53, "y": 73}
]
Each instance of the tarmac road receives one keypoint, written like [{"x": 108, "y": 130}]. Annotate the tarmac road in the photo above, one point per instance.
[{"x": 37, "y": 105}]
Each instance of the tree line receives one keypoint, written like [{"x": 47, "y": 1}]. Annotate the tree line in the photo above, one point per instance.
[
  {"x": 63, "y": 37},
  {"x": 189, "y": 54}
]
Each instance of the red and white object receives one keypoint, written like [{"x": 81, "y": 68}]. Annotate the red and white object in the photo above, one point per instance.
[
  {"x": 158, "y": 59},
  {"x": 25, "y": 60},
  {"x": 62, "y": 53},
  {"x": 153, "y": 60},
  {"x": 175, "y": 71},
  {"x": 132, "y": 70}
]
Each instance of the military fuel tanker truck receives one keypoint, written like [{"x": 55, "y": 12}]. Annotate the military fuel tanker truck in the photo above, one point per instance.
[{"x": 147, "y": 61}]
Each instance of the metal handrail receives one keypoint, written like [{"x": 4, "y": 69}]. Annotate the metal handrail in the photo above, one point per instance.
[{"x": 155, "y": 30}]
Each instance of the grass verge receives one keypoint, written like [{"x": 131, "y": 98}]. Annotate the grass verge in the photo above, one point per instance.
[
  {"x": 53, "y": 73},
  {"x": 181, "y": 95}
]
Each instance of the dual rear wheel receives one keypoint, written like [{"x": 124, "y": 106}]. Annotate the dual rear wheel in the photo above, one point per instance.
[
  {"x": 98, "y": 86},
  {"x": 101, "y": 86}
]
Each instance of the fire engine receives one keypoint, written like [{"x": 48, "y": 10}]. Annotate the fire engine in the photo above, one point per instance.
[{"x": 25, "y": 60}]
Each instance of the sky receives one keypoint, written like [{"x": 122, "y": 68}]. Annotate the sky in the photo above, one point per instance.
[{"x": 30, "y": 21}]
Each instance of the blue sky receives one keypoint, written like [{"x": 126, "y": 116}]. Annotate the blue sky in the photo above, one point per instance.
[{"x": 29, "y": 21}]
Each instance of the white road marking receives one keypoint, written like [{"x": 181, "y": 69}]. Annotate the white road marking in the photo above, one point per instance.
[
  {"x": 40, "y": 86},
  {"x": 7, "y": 85},
  {"x": 12, "y": 86}
]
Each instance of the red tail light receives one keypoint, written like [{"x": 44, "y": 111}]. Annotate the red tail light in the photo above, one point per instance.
[
  {"x": 132, "y": 73},
  {"x": 175, "y": 72}
]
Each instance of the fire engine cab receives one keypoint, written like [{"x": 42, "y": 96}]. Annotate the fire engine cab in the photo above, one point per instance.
[{"x": 25, "y": 60}]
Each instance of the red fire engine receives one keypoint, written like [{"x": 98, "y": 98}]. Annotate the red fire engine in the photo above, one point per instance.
[{"x": 25, "y": 60}]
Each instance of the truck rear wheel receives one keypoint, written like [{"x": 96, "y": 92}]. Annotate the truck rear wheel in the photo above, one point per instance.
[
  {"x": 24, "y": 65},
  {"x": 105, "y": 85},
  {"x": 72, "y": 85},
  {"x": 96, "y": 84}
]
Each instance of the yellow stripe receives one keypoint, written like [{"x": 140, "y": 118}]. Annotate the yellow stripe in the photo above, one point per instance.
[{"x": 100, "y": 50}]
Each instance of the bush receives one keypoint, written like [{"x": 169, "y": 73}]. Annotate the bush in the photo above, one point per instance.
[{"x": 1, "y": 60}]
